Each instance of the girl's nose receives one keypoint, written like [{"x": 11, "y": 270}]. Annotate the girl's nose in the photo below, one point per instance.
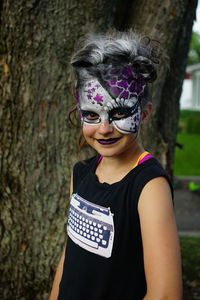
[{"x": 105, "y": 127}]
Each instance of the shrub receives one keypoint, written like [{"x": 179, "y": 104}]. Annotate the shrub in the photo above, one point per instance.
[
  {"x": 193, "y": 124},
  {"x": 189, "y": 122}
]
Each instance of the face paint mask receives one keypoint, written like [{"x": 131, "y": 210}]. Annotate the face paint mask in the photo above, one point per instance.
[{"x": 123, "y": 110}]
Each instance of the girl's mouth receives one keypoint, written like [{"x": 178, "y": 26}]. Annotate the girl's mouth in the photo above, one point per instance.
[{"x": 108, "y": 141}]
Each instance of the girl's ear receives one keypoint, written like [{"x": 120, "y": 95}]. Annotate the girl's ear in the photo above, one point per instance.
[{"x": 146, "y": 113}]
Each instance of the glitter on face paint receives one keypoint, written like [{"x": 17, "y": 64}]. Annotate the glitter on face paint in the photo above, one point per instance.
[{"x": 123, "y": 84}]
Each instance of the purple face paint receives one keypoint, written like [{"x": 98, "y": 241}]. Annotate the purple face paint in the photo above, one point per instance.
[
  {"x": 78, "y": 103},
  {"x": 123, "y": 83},
  {"x": 108, "y": 141},
  {"x": 118, "y": 103}
]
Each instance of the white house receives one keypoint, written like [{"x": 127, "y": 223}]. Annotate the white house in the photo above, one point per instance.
[{"x": 190, "y": 97}]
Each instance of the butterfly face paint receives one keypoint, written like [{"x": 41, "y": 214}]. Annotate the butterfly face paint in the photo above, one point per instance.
[{"x": 120, "y": 106}]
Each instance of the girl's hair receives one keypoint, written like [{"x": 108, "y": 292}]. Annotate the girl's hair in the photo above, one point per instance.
[{"x": 116, "y": 49}]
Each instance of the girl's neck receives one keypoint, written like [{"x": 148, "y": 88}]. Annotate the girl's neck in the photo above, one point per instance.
[
  {"x": 124, "y": 158},
  {"x": 114, "y": 168}
]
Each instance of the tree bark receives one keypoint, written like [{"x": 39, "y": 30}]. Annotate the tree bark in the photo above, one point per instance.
[{"x": 38, "y": 145}]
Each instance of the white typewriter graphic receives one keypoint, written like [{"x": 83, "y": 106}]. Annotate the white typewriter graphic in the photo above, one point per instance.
[{"x": 91, "y": 226}]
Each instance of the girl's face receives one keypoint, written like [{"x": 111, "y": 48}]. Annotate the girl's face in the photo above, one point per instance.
[
  {"x": 97, "y": 106},
  {"x": 108, "y": 141},
  {"x": 110, "y": 125}
]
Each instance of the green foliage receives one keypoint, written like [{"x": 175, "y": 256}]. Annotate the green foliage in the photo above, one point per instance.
[
  {"x": 185, "y": 113},
  {"x": 193, "y": 186},
  {"x": 194, "y": 53},
  {"x": 189, "y": 122},
  {"x": 190, "y": 251},
  {"x": 193, "y": 124},
  {"x": 187, "y": 160}
]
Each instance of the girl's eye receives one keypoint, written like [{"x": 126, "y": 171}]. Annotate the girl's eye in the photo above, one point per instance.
[
  {"x": 120, "y": 113},
  {"x": 90, "y": 117},
  {"x": 123, "y": 112}
]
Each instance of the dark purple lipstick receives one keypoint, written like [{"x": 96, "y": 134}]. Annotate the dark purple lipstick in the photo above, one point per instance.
[{"x": 108, "y": 141}]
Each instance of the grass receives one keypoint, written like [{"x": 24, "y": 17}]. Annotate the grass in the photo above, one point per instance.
[
  {"x": 190, "y": 251},
  {"x": 187, "y": 160}
]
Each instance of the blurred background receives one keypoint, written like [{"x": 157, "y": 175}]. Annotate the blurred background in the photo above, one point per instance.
[{"x": 187, "y": 168}]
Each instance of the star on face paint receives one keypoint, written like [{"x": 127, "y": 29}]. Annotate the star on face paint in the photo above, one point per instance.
[{"x": 98, "y": 98}]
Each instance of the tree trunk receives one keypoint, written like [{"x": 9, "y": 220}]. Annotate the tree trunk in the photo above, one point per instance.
[
  {"x": 169, "y": 22},
  {"x": 38, "y": 145}
]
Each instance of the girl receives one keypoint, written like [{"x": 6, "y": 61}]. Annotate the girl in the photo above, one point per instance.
[{"x": 122, "y": 238}]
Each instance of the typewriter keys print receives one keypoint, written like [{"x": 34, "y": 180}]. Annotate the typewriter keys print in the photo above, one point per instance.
[{"x": 91, "y": 226}]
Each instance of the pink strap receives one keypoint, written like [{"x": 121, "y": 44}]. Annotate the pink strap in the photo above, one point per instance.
[
  {"x": 100, "y": 158},
  {"x": 145, "y": 158}
]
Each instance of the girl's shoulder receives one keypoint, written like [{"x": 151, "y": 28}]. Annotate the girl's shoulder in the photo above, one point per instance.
[{"x": 149, "y": 170}]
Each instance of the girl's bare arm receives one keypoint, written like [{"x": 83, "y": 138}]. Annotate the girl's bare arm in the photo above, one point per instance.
[
  {"x": 160, "y": 242},
  {"x": 59, "y": 272},
  {"x": 57, "y": 279}
]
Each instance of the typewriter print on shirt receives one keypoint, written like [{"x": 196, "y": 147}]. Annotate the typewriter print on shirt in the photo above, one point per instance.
[{"x": 91, "y": 226}]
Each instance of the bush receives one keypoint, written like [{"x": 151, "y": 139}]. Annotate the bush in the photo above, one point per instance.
[
  {"x": 193, "y": 124},
  {"x": 189, "y": 122},
  {"x": 187, "y": 159}
]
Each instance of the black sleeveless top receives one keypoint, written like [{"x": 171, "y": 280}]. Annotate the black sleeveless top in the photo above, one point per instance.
[{"x": 104, "y": 254}]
